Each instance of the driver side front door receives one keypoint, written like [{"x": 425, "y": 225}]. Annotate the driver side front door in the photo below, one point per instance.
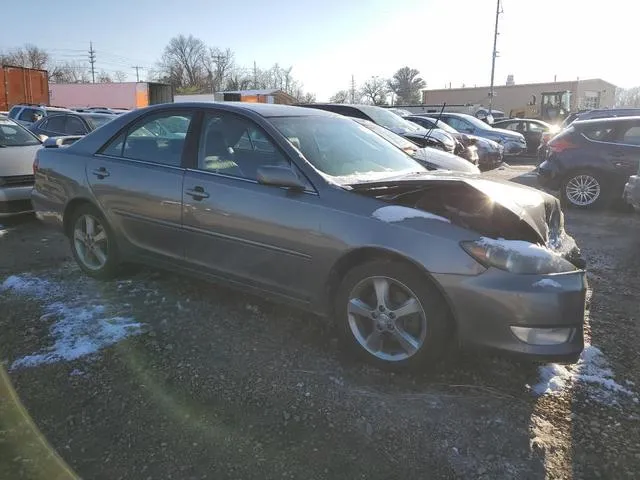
[{"x": 239, "y": 229}]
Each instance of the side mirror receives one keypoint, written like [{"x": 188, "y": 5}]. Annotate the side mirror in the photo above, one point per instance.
[
  {"x": 279, "y": 176},
  {"x": 42, "y": 137}
]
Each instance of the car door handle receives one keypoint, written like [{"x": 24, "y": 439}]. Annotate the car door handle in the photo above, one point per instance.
[
  {"x": 101, "y": 173},
  {"x": 197, "y": 193}
]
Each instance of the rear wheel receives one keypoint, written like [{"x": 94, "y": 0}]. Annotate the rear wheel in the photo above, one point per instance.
[
  {"x": 584, "y": 189},
  {"x": 93, "y": 243},
  {"x": 392, "y": 316}
]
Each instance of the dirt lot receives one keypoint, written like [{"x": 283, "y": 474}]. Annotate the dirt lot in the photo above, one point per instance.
[{"x": 160, "y": 376}]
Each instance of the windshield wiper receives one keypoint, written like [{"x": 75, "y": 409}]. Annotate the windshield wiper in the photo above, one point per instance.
[{"x": 2, "y": 145}]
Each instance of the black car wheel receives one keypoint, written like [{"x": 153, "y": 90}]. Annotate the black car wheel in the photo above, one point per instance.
[
  {"x": 584, "y": 189},
  {"x": 93, "y": 243},
  {"x": 392, "y": 316}
]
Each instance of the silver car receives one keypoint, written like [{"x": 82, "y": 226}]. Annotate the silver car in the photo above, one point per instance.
[
  {"x": 18, "y": 149},
  {"x": 312, "y": 208}
]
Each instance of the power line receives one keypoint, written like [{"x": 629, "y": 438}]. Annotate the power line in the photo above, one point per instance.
[{"x": 92, "y": 61}]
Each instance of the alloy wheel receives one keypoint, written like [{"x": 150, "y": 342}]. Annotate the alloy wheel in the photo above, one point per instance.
[
  {"x": 583, "y": 190},
  {"x": 91, "y": 242},
  {"x": 387, "y": 318}
]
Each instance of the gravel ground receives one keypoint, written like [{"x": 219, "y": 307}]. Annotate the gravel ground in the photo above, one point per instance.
[{"x": 160, "y": 376}]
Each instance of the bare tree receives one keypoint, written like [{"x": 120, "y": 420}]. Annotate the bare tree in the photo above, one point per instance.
[
  {"x": 307, "y": 98},
  {"x": 341, "y": 96},
  {"x": 103, "y": 77},
  {"x": 183, "y": 62},
  {"x": 628, "y": 97},
  {"x": 375, "y": 91},
  {"x": 69, "y": 72},
  {"x": 219, "y": 64},
  {"x": 407, "y": 84},
  {"x": 119, "y": 76},
  {"x": 28, "y": 56}
]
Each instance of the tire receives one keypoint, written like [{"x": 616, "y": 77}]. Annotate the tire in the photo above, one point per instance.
[
  {"x": 430, "y": 329},
  {"x": 600, "y": 189},
  {"x": 105, "y": 265}
]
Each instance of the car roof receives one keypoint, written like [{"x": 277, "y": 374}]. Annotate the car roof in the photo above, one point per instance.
[
  {"x": 592, "y": 121},
  {"x": 263, "y": 109}
]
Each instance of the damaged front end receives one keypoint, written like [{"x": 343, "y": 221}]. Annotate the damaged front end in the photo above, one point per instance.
[{"x": 494, "y": 209}]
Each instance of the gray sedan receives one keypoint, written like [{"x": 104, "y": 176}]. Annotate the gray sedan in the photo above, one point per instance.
[
  {"x": 309, "y": 207},
  {"x": 18, "y": 149}
]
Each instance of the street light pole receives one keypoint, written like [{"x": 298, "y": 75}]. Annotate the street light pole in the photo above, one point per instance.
[{"x": 495, "y": 54}]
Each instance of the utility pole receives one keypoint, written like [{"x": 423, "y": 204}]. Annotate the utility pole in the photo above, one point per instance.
[
  {"x": 216, "y": 59},
  {"x": 495, "y": 54},
  {"x": 255, "y": 75},
  {"x": 353, "y": 90},
  {"x": 137, "y": 68},
  {"x": 92, "y": 61}
]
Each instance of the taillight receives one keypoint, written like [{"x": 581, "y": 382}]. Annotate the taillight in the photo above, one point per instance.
[
  {"x": 558, "y": 145},
  {"x": 35, "y": 165}
]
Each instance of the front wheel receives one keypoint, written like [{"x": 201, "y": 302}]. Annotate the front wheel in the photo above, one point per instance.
[
  {"x": 93, "y": 243},
  {"x": 584, "y": 189},
  {"x": 391, "y": 315}
]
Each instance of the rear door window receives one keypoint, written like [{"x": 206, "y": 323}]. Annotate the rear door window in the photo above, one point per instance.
[
  {"x": 75, "y": 126},
  {"x": 55, "y": 124},
  {"x": 600, "y": 132},
  {"x": 157, "y": 138}
]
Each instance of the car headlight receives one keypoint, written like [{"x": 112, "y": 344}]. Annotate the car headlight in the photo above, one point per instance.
[{"x": 516, "y": 256}]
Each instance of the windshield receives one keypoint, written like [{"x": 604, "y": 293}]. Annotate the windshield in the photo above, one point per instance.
[
  {"x": 13, "y": 135},
  {"x": 389, "y": 119},
  {"x": 441, "y": 125},
  {"x": 345, "y": 150},
  {"x": 100, "y": 120},
  {"x": 476, "y": 122},
  {"x": 400, "y": 142}
]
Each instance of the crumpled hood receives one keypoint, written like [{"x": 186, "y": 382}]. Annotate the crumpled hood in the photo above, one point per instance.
[{"x": 491, "y": 207}]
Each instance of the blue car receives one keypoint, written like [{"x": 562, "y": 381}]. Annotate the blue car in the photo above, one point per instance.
[{"x": 590, "y": 162}]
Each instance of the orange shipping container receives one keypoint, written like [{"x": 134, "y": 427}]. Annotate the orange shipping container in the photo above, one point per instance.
[{"x": 23, "y": 85}]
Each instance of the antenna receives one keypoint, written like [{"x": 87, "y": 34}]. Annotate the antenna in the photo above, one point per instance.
[
  {"x": 92, "y": 61},
  {"x": 437, "y": 120},
  {"x": 353, "y": 89},
  {"x": 495, "y": 54}
]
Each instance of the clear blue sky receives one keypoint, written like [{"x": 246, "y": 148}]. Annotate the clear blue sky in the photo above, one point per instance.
[{"x": 328, "y": 41}]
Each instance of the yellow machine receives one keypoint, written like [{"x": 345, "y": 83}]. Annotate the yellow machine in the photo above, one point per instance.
[{"x": 553, "y": 107}]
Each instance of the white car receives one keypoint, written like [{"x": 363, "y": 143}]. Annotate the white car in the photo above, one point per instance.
[{"x": 18, "y": 148}]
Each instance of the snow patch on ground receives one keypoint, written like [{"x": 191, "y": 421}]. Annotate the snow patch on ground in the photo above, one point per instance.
[
  {"x": 28, "y": 285},
  {"x": 547, "y": 282},
  {"x": 79, "y": 327},
  {"x": 397, "y": 213},
  {"x": 592, "y": 371}
]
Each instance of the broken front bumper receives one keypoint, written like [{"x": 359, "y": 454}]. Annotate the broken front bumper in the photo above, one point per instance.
[{"x": 486, "y": 306}]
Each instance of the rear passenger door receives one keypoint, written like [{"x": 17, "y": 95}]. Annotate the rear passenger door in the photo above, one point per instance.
[
  {"x": 626, "y": 155},
  {"x": 137, "y": 180}
]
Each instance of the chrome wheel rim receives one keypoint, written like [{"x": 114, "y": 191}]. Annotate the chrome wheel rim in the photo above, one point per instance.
[
  {"x": 386, "y": 318},
  {"x": 90, "y": 242},
  {"x": 582, "y": 190}
]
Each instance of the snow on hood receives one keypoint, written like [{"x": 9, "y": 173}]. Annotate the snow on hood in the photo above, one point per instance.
[{"x": 398, "y": 213}]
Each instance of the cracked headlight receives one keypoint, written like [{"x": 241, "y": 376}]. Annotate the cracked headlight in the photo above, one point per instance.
[{"x": 516, "y": 256}]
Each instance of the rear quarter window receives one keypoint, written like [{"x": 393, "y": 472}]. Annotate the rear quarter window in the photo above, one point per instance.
[{"x": 599, "y": 133}]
